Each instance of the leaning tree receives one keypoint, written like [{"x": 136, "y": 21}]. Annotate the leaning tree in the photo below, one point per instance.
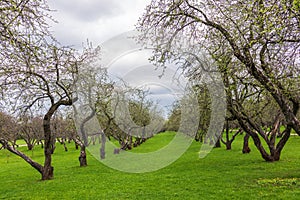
[
  {"x": 36, "y": 73},
  {"x": 41, "y": 86},
  {"x": 260, "y": 40}
]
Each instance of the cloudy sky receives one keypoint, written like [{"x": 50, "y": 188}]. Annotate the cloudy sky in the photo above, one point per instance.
[
  {"x": 99, "y": 21},
  {"x": 96, "y": 20}
]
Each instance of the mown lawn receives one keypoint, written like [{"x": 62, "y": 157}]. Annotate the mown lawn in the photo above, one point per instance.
[{"x": 221, "y": 175}]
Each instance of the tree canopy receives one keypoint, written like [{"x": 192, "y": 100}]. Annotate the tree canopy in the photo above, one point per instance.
[{"x": 255, "y": 45}]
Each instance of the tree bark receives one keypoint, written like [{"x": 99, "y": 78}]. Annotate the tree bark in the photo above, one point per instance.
[
  {"x": 102, "y": 148},
  {"x": 84, "y": 136},
  {"x": 228, "y": 145},
  {"x": 254, "y": 130},
  {"x": 29, "y": 146},
  {"x": 49, "y": 146},
  {"x": 218, "y": 143},
  {"x": 47, "y": 172},
  {"x": 10, "y": 148},
  {"x": 82, "y": 157},
  {"x": 286, "y": 134},
  {"x": 246, "y": 148},
  {"x": 228, "y": 142},
  {"x": 137, "y": 142}
]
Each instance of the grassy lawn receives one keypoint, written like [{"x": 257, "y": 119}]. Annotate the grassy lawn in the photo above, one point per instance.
[{"x": 221, "y": 175}]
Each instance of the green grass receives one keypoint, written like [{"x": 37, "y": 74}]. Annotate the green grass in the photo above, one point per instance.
[
  {"x": 221, "y": 175},
  {"x": 155, "y": 143}
]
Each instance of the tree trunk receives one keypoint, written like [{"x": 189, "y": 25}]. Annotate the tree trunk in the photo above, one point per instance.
[
  {"x": 42, "y": 144},
  {"x": 53, "y": 146},
  {"x": 129, "y": 146},
  {"x": 65, "y": 147},
  {"x": 47, "y": 172},
  {"x": 82, "y": 157},
  {"x": 218, "y": 144},
  {"x": 246, "y": 148},
  {"x": 285, "y": 136},
  {"x": 12, "y": 149},
  {"x": 254, "y": 129},
  {"x": 102, "y": 148},
  {"x": 228, "y": 142},
  {"x": 201, "y": 138},
  {"x": 228, "y": 145},
  {"x": 137, "y": 142},
  {"x": 84, "y": 135},
  {"x": 29, "y": 146}
]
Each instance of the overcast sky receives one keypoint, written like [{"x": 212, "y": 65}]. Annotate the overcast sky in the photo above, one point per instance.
[
  {"x": 96, "y": 20},
  {"x": 100, "y": 20}
]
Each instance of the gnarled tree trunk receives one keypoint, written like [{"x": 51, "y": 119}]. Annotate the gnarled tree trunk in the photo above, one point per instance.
[
  {"x": 82, "y": 157},
  {"x": 12, "y": 149},
  {"x": 47, "y": 172},
  {"x": 49, "y": 143},
  {"x": 246, "y": 148}
]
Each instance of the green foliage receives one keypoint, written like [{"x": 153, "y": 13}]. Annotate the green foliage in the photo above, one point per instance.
[
  {"x": 204, "y": 102},
  {"x": 204, "y": 106},
  {"x": 296, "y": 5},
  {"x": 221, "y": 175},
  {"x": 173, "y": 122},
  {"x": 139, "y": 114}
]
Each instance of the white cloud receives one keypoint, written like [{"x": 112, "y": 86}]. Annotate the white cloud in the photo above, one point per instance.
[
  {"x": 96, "y": 20},
  {"x": 100, "y": 20},
  {"x": 88, "y": 10}
]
